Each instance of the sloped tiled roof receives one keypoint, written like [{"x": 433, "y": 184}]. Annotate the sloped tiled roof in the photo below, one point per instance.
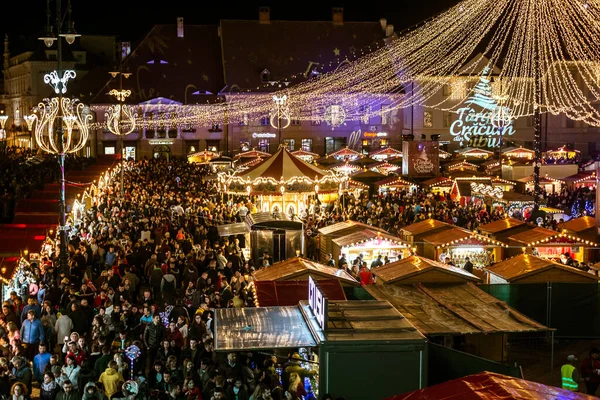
[
  {"x": 286, "y": 48},
  {"x": 296, "y": 267},
  {"x": 501, "y": 225},
  {"x": 424, "y": 226},
  {"x": 523, "y": 265},
  {"x": 415, "y": 265}
]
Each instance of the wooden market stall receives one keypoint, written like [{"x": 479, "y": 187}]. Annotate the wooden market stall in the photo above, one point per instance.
[
  {"x": 526, "y": 268},
  {"x": 550, "y": 244},
  {"x": 414, "y": 233},
  {"x": 562, "y": 155},
  {"x": 304, "y": 155},
  {"x": 459, "y": 165},
  {"x": 294, "y": 269},
  {"x": 516, "y": 205},
  {"x": 502, "y": 229},
  {"x": 417, "y": 269},
  {"x": 251, "y": 154},
  {"x": 518, "y": 152},
  {"x": 328, "y": 233},
  {"x": 289, "y": 293},
  {"x": 474, "y": 153},
  {"x": 345, "y": 168},
  {"x": 582, "y": 179},
  {"x": 370, "y": 244},
  {"x": 548, "y": 184},
  {"x": 345, "y": 154},
  {"x": 457, "y": 244},
  {"x": 385, "y": 168},
  {"x": 583, "y": 227},
  {"x": 438, "y": 184},
  {"x": 385, "y": 154},
  {"x": 394, "y": 183}
]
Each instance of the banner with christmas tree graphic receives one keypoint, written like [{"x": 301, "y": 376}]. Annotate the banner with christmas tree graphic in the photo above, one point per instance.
[{"x": 474, "y": 127}]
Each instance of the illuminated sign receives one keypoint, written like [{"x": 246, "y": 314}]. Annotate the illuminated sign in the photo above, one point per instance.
[
  {"x": 263, "y": 135},
  {"x": 375, "y": 134},
  {"x": 317, "y": 303},
  {"x": 154, "y": 142},
  {"x": 475, "y": 129}
]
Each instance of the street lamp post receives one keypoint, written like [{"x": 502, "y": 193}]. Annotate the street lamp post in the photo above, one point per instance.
[
  {"x": 120, "y": 118},
  {"x": 60, "y": 118}
]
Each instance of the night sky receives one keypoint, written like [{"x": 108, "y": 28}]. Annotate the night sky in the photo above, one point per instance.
[{"x": 132, "y": 19}]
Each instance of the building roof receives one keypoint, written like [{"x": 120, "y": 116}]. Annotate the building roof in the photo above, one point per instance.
[
  {"x": 586, "y": 177},
  {"x": 447, "y": 236},
  {"x": 489, "y": 385},
  {"x": 416, "y": 265},
  {"x": 164, "y": 65},
  {"x": 287, "y": 48},
  {"x": 453, "y": 309},
  {"x": 501, "y": 225},
  {"x": 543, "y": 180},
  {"x": 394, "y": 181},
  {"x": 367, "y": 235},
  {"x": 579, "y": 224},
  {"x": 343, "y": 228},
  {"x": 521, "y": 266},
  {"x": 533, "y": 235},
  {"x": 419, "y": 228},
  {"x": 296, "y": 267}
]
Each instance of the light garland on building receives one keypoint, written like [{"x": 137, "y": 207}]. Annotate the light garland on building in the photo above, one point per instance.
[{"x": 476, "y": 237}]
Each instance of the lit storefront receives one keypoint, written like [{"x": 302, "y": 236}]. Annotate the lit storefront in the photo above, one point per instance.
[
  {"x": 562, "y": 154},
  {"x": 439, "y": 185},
  {"x": 384, "y": 167},
  {"x": 460, "y": 166},
  {"x": 304, "y": 155},
  {"x": 474, "y": 153},
  {"x": 549, "y": 244},
  {"x": 518, "y": 152},
  {"x": 548, "y": 184},
  {"x": 370, "y": 244},
  {"x": 393, "y": 184},
  {"x": 385, "y": 154},
  {"x": 372, "y": 141},
  {"x": 345, "y": 154}
]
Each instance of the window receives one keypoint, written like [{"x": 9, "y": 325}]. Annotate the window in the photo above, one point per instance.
[
  {"x": 244, "y": 121},
  {"x": 334, "y": 143},
  {"x": 295, "y": 122},
  {"x": 244, "y": 145},
  {"x": 291, "y": 144},
  {"x": 109, "y": 150},
  {"x": 316, "y": 117},
  {"x": 364, "y": 111},
  {"x": 447, "y": 119},
  {"x": 427, "y": 119},
  {"x": 263, "y": 145},
  {"x": 264, "y": 121},
  {"x": 307, "y": 145},
  {"x": 384, "y": 143}
]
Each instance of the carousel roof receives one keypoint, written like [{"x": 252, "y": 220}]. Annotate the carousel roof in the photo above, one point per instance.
[
  {"x": 283, "y": 166},
  {"x": 345, "y": 152},
  {"x": 388, "y": 151},
  {"x": 252, "y": 154}
]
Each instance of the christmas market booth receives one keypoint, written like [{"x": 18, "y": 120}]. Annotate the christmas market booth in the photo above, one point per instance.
[
  {"x": 438, "y": 185},
  {"x": 385, "y": 154},
  {"x": 459, "y": 165},
  {"x": 221, "y": 164},
  {"x": 474, "y": 153},
  {"x": 583, "y": 227},
  {"x": 550, "y": 244},
  {"x": 502, "y": 229},
  {"x": 202, "y": 157},
  {"x": 515, "y": 205},
  {"x": 241, "y": 231},
  {"x": 393, "y": 184},
  {"x": 329, "y": 233},
  {"x": 385, "y": 168},
  {"x": 562, "y": 154},
  {"x": 459, "y": 244},
  {"x": 283, "y": 184},
  {"x": 494, "y": 386},
  {"x": 345, "y": 154},
  {"x": 548, "y": 184},
  {"x": 413, "y": 234},
  {"x": 307, "y": 156},
  {"x": 369, "y": 244},
  {"x": 582, "y": 179},
  {"x": 331, "y": 335},
  {"x": 282, "y": 237},
  {"x": 518, "y": 153},
  {"x": 428, "y": 293},
  {"x": 289, "y": 293}
]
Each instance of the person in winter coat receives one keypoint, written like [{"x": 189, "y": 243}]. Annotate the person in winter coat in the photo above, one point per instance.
[
  {"x": 168, "y": 285},
  {"x": 70, "y": 372},
  {"x": 68, "y": 392},
  {"x": 111, "y": 379},
  {"x": 154, "y": 334},
  {"x": 49, "y": 388},
  {"x": 21, "y": 371},
  {"x": 63, "y": 327},
  {"x": 19, "y": 392},
  {"x": 91, "y": 392},
  {"x": 39, "y": 362},
  {"x": 590, "y": 369}
]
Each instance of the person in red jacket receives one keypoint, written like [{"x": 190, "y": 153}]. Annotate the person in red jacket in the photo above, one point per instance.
[
  {"x": 76, "y": 352},
  {"x": 365, "y": 275},
  {"x": 174, "y": 336},
  {"x": 590, "y": 369}
]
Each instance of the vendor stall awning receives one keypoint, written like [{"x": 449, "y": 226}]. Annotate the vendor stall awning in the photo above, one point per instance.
[
  {"x": 261, "y": 328},
  {"x": 453, "y": 309},
  {"x": 448, "y": 236},
  {"x": 300, "y": 268},
  {"x": 289, "y": 293},
  {"x": 346, "y": 227},
  {"x": 525, "y": 265},
  {"x": 579, "y": 224},
  {"x": 421, "y": 269},
  {"x": 488, "y": 386},
  {"x": 424, "y": 226},
  {"x": 501, "y": 225},
  {"x": 533, "y": 235},
  {"x": 233, "y": 229},
  {"x": 366, "y": 235}
]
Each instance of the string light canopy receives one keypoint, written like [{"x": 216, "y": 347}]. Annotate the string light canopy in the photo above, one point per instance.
[{"x": 542, "y": 55}]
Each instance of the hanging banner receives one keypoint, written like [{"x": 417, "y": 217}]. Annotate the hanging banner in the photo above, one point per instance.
[{"x": 420, "y": 158}]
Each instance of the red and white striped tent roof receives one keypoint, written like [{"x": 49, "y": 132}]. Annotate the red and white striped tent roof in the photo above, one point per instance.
[{"x": 283, "y": 166}]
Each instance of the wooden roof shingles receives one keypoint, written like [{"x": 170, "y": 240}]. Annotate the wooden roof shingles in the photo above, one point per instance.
[
  {"x": 524, "y": 265},
  {"x": 415, "y": 265}
]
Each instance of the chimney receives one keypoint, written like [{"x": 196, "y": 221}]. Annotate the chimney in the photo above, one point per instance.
[
  {"x": 383, "y": 23},
  {"x": 264, "y": 15},
  {"x": 180, "y": 27},
  {"x": 338, "y": 15},
  {"x": 389, "y": 30}
]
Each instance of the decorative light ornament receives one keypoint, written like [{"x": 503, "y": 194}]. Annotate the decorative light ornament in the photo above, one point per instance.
[
  {"x": 334, "y": 115},
  {"x": 59, "y": 84},
  {"x": 3, "y": 119},
  {"x": 74, "y": 118},
  {"x": 121, "y": 95},
  {"x": 120, "y": 118},
  {"x": 279, "y": 117},
  {"x": 29, "y": 119}
]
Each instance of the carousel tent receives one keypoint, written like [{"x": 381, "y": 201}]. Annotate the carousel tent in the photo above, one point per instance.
[
  {"x": 300, "y": 268},
  {"x": 526, "y": 268},
  {"x": 488, "y": 385}
]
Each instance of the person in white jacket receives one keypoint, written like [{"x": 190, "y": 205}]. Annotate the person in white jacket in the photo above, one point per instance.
[{"x": 63, "y": 328}]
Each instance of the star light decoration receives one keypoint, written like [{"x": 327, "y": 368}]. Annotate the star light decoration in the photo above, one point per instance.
[{"x": 548, "y": 50}]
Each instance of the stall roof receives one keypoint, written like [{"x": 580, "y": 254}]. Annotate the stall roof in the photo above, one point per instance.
[
  {"x": 233, "y": 229},
  {"x": 543, "y": 179},
  {"x": 419, "y": 228},
  {"x": 343, "y": 228},
  {"x": 586, "y": 177},
  {"x": 579, "y": 224},
  {"x": 270, "y": 220},
  {"x": 366, "y": 235},
  {"x": 393, "y": 181},
  {"x": 526, "y": 265},
  {"x": 453, "y": 309},
  {"x": 254, "y": 328},
  {"x": 437, "y": 181},
  {"x": 300, "y": 267},
  {"x": 421, "y": 269},
  {"x": 514, "y": 196},
  {"x": 364, "y": 320},
  {"x": 533, "y": 235},
  {"x": 501, "y": 225},
  {"x": 489, "y": 385},
  {"x": 289, "y": 293},
  {"x": 448, "y": 236}
]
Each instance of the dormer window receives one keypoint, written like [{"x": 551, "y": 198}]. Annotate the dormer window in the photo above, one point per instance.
[{"x": 265, "y": 75}]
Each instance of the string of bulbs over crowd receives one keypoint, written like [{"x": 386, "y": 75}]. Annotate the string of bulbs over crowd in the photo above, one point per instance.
[{"x": 546, "y": 55}]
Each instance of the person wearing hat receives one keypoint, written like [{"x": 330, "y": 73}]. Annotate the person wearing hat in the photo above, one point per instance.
[
  {"x": 570, "y": 375},
  {"x": 294, "y": 366}
]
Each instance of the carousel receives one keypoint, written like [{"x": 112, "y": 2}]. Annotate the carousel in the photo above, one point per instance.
[
  {"x": 284, "y": 183},
  {"x": 562, "y": 155}
]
